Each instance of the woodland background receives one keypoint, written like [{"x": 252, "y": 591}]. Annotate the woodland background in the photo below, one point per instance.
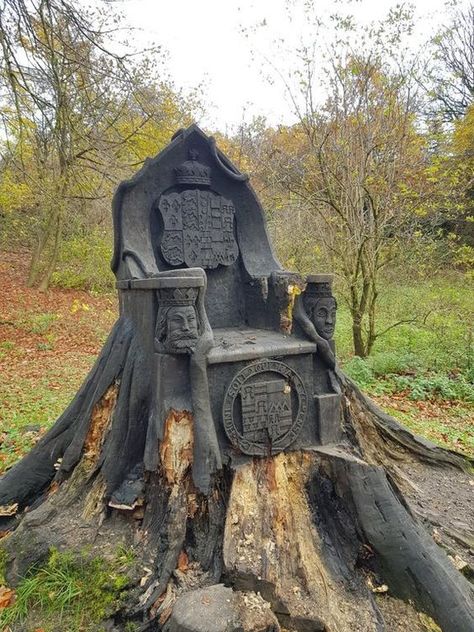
[{"x": 374, "y": 181}]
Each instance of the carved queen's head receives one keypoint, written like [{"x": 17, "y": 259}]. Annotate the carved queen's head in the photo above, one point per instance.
[{"x": 320, "y": 304}]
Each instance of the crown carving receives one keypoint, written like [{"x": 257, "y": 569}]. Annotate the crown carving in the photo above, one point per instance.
[
  {"x": 192, "y": 171},
  {"x": 178, "y": 296},
  {"x": 319, "y": 286}
]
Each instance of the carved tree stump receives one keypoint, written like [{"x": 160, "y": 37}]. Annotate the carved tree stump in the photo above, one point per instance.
[{"x": 314, "y": 532}]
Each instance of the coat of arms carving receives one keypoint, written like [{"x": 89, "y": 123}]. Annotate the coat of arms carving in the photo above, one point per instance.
[
  {"x": 264, "y": 407},
  {"x": 198, "y": 229}
]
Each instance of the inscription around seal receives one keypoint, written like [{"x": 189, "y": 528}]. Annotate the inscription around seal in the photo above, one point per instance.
[
  {"x": 264, "y": 408},
  {"x": 198, "y": 229}
]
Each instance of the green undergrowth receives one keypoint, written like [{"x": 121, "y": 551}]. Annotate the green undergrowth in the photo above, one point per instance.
[
  {"x": 451, "y": 429},
  {"x": 84, "y": 263},
  {"x": 430, "y": 360},
  {"x": 69, "y": 592},
  {"x": 3, "y": 566},
  {"x": 430, "y": 357},
  {"x": 441, "y": 338},
  {"x": 403, "y": 377}
]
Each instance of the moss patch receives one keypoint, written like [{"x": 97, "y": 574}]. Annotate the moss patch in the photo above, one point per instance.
[
  {"x": 3, "y": 566},
  {"x": 69, "y": 592}
]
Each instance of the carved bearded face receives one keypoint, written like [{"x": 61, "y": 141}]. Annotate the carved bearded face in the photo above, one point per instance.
[
  {"x": 324, "y": 316},
  {"x": 181, "y": 329}
]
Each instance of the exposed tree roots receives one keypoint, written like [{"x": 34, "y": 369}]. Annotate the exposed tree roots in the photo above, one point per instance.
[{"x": 320, "y": 534}]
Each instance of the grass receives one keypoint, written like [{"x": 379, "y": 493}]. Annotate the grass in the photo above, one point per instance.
[
  {"x": 3, "y": 567},
  {"x": 451, "y": 427},
  {"x": 69, "y": 592},
  {"x": 421, "y": 373},
  {"x": 445, "y": 341},
  {"x": 31, "y": 404},
  {"x": 39, "y": 323},
  {"x": 48, "y": 343}
]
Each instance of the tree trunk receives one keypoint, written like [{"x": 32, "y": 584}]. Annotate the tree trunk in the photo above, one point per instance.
[
  {"x": 371, "y": 335},
  {"x": 36, "y": 257},
  {"x": 358, "y": 336},
  {"x": 332, "y": 538},
  {"x": 46, "y": 278},
  {"x": 42, "y": 243}
]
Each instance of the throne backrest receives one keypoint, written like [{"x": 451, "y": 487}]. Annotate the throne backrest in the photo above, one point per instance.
[{"x": 190, "y": 207}]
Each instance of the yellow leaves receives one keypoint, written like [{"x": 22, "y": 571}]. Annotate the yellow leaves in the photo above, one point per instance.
[
  {"x": 232, "y": 147},
  {"x": 78, "y": 306},
  {"x": 13, "y": 194},
  {"x": 464, "y": 257},
  {"x": 463, "y": 138},
  {"x": 144, "y": 140}
]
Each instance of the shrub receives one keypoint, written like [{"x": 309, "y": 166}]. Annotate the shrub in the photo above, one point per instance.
[
  {"x": 387, "y": 362},
  {"x": 84, "y": 263},
  {"x": 438, "y": 386},
  {"x": 360, "y": 371}
]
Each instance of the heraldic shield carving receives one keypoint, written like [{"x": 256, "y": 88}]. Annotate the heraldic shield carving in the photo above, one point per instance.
[
  {"x": 264, "y": 408},
  {"x": 198, "y": 229}
]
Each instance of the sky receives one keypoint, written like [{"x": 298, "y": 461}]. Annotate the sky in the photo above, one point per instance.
[{"x": 228, "y": 46}]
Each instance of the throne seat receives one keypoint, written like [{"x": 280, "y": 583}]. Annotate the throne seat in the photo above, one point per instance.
[{"x": 244, "y": 344}]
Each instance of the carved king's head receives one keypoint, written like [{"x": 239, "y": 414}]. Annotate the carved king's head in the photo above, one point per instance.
[
  {"x": 177, "y": 324},
  {"x": 320, "y": 304}
]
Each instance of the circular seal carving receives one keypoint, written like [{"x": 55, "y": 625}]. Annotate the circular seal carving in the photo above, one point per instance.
[{"x": 264, "y": 408}]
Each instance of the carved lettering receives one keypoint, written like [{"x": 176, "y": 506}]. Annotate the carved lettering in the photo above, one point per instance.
[{"x": 265, "y": 393}]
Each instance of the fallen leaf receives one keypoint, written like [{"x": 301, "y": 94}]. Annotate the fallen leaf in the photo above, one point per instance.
[
  {"x": 183, "y": 561},
  {"x": 6, "y": 596}
]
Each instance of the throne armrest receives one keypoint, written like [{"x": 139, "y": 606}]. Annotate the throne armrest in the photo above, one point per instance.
[{"x": 284, "y": 287}]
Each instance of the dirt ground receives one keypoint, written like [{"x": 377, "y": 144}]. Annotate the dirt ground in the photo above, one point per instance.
[
  {"x": 443, "y": 499},
  {"x": 78, "y": 319}
]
